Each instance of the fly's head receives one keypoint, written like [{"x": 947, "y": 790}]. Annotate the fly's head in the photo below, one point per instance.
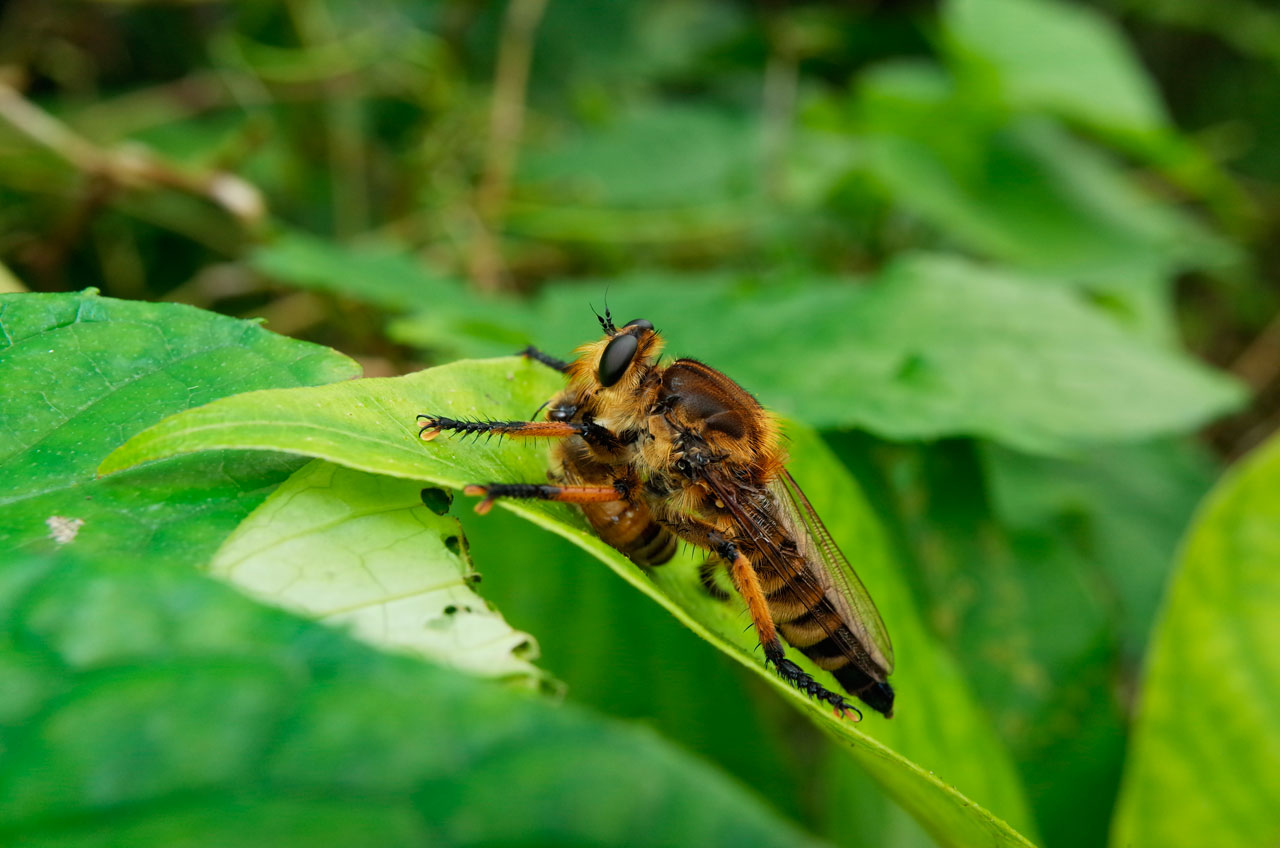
[{"x": 615, "y": 370}]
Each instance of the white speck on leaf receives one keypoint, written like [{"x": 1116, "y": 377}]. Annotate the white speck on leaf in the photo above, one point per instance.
[{"x": 63, "y": 530}]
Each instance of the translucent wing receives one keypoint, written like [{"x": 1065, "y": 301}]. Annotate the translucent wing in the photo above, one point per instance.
[
  {"x": 864, "y": 639},
  {"x": 844, "y": 588}
]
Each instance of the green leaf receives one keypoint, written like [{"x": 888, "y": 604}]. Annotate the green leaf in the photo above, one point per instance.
[
  {"x": 657, "y": 173},
  {"x": 80, "y": 373},
  {"x": 1122, "y": 508},
  {"x": 1019, "y": 188},
  {"x": 1202, "y": 764},
  {"x": 152, "y": 706},
  {"x": 1063, "y": 587},
  {"x": 934, "y": 347},
  {"x": 1059, "y": 57},
  {"x": 369, "y": 425},
  {"x": 380, "y": 275},
  {"x": 363, "y": 552}
]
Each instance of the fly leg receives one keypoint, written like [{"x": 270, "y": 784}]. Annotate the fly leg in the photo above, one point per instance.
[
  {"x": 707, "y": 577},
  {"x": 547, "y": 492},
  {"x": 546, "y": 359},
  {"x": 748, "y": 585},
  {"x": 430, "y": 426}
]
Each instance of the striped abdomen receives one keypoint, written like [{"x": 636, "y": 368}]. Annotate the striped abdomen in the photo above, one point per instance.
[
  {"x": 631, "y": 529},
  {"x": 809, "y": 622}
]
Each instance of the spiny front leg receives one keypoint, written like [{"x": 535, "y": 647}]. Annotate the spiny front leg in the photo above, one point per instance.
[
  {"x": 546, "y": 492},
  {"x": 431, "y": 426}
]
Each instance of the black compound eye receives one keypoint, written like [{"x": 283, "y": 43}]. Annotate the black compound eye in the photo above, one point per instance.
[
  {"x": 617, "y": 359},
  {"x": 641, "y": 323}
]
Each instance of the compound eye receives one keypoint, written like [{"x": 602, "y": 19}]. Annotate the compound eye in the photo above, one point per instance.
[
  {"x": 641, "y": 323},
  {"x": 617, "y": 359}
]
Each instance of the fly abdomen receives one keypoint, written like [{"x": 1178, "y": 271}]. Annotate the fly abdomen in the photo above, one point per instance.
[
  {"x": 654, "y": 545},
  {"x": 790, "y": 600},
  {"x": 817, "y": 630},
  {"x": 632, "y": 529}
]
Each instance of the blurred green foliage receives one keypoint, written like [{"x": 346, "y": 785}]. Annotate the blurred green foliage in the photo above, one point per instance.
[{"x": 1011, "y": 257}]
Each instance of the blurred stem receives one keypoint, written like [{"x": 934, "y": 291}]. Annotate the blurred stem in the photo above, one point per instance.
[
  {"x": 127, "y": 167},
  {"x": 506, "y": 121},
  {"x": 781, "y": 80},
  {"x": 108, "y": 172},
  {"x": 344, "y": 123},
  {"x": 49, "y": 132},
  {"x": 1251, "y": 28},
  {"x": 1259, "y": 364}
]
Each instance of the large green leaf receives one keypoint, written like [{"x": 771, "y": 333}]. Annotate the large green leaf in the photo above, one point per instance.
[
  {"x": 377, "y": 274},
  {"x": 370, "y": 425},
  {"x": 80, "y": 373},
  {"x": 934, "y": 347},
  {"x": 1056, "y": 56},
  {"x": 150, "y": 706},
  {"x": 1018, "y": 188},
  {"x": 1203, "y": 763},
  {"x": 1074, "y": 557},
  {"x": 364, "y": 552}
]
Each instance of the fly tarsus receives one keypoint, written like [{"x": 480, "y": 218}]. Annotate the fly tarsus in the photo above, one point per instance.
[
  {"x": 430, "y": 426},
  {"x": 802, "y": 680},
  {"x": 546, "y": 359}
]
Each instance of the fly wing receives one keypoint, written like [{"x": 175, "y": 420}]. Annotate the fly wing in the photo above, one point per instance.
[
  {"x": 825, "y": 567},
  {"x": 844, "y": 588}
]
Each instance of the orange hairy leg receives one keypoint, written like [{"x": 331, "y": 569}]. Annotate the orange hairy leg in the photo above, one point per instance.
[
  {"x": 747, "y": 582},
  {"x": 544, "y": 492}
]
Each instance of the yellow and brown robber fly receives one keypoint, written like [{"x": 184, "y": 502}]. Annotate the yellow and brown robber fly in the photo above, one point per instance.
[{"x": 656, "y": 453}]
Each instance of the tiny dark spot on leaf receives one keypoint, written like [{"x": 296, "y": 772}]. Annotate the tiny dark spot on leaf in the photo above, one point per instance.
[
  {"x": 437, "y": 500},
  {"x": 454, "y": 544},
  {"x": 524, "y": 650},
  {"x": 474, "y": 577},
  {"x": 450, "y": 610}
]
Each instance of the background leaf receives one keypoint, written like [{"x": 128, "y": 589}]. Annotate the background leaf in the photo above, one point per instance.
[
  {"x": 1213, "y": 662},
  {"x": 80, "y": 373},
  {"x": 934, "y": 347},
  {"x": 1061, "y": 57}
]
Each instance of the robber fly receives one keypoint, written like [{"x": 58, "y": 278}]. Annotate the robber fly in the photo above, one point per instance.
[{"x": 655, "y": 453}]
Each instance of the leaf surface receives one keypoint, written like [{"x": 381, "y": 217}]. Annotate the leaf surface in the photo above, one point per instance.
[
  {"x": 1056, "y": 56},
  {"x": 149, "y": 706},
  {"x": 80, "y": 373},
  {"x": 1213, "y": 662},
  {"x": 362, "y": 551}
]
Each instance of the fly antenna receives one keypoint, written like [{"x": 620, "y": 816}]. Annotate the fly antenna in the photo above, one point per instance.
[{"x": 606, "y": 322}]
